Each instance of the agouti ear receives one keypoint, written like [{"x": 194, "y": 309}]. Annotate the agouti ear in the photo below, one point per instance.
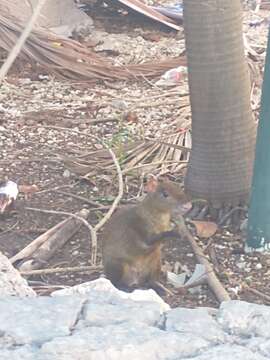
[{"x": 151, "y": 184}]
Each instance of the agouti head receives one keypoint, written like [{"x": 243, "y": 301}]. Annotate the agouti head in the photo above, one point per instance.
[{"x": 163, "y": 195}]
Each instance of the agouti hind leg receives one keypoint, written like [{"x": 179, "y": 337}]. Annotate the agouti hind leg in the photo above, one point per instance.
[{"x": 114, "y": 272}]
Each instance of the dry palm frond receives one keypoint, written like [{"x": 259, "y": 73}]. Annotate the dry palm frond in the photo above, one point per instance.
[
  {"x": 69, "y": 59},
  {"x": 167, "y": 154}
]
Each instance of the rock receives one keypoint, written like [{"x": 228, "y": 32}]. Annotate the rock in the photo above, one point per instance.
[
  {"x": 11, "y": 282},
  {"x": 122, "y": 342},
  {"x": 19, "y": 353},
  {"x": 195, "y": 322},
  {"x": 98, "y": 322},
  {"x": 34, "y": 321},
  {"x": 244, "y": 319},
  {"x": 60, "y": 16},
  {"x": 143, "y": 312},
  {"x": 258, "y": 266},
  {"x": 229, "y": 352},
  {"x": 102, "y": 291},
  {"x": 259, "y": 345}
]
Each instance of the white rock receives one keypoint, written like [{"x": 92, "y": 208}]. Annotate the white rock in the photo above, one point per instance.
[
  {"x": 197, "y": 322},
  {"x": 11, "y": 282},
  {"x": 244, "y": 319},
  {"x": 101, "y": 290}
]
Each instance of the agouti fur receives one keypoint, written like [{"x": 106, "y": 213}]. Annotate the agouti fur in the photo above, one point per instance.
[{"x": 132, "y": 239}]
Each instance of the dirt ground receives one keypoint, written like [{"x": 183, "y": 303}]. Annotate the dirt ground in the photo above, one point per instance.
[{"x": 32, "y": 153}]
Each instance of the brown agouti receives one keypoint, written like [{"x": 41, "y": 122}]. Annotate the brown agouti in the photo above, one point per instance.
[{"x": 132, "y": 239}]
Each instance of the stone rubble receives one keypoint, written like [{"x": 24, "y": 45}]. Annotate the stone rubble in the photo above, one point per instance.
[{"x": 95, "y": 321}]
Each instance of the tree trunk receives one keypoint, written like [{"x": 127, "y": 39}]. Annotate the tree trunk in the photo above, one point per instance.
[{"x": 223, "y": 129}]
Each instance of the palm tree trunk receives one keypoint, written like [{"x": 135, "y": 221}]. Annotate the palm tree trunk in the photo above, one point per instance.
[{"x": 223, "y": 129}]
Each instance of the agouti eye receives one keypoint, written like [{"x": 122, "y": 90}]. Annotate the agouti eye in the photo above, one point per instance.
[{"x": 164, "y": 193}]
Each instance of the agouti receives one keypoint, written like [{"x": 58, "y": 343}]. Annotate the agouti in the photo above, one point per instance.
[{"x": 132, "y": 239}]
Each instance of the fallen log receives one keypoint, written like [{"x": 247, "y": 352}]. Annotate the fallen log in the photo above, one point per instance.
[
  {"x": 35, "y": 244},
  {"x": 55, "y": 238}
]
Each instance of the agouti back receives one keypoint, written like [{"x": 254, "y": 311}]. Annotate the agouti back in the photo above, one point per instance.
[{"x": 132, "y": 239}]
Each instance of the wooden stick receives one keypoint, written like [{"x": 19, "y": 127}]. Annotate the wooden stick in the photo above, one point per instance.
[
  {"x": 213, "y": 281},
  {"x": 61, "y": 270},
  {"x": 258, "y": 293},
  {"x": 34, "y": 245},
  {"x": 54, "y": 242},
  {"x": 30, "y": 249},
  {"x": 75, "y": 216},
  {"x": 81, "y": 198}
]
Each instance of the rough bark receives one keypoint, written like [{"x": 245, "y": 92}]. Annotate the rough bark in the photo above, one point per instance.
[{"x": 223, "y": 129}]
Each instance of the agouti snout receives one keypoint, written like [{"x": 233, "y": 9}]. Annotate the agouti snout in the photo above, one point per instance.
[{"x": 132, "y": 239}]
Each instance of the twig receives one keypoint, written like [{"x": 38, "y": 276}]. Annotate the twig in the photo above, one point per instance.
[
  {"x": 160, "y": 103},
  {"x": 258, "y": 293},
  {"x": 97, "y": 207},
  {"x": 116, "y": 200},
  {"x": 81, "y": 198},
  {"x": 61, "y": 270},
  {"x": 28, "y": 160},
  {"x": 9, "y": 230},
  {"x": 212, "y": 280},
  {"x": 18, "y": 46},
  {"x": 92, "y": 202},
  {"x": 102, "y": 121},
  {"x": 164, "y": 288},
  {"x": 55, "y": 188},
  {"x": 166, "y": 94}
]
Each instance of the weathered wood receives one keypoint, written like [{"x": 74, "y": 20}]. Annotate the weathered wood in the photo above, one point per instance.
[
  {"x": 50, "y": 242},
  {"x": 35, "y": 244},
  {"x": 213, "y": 282}
]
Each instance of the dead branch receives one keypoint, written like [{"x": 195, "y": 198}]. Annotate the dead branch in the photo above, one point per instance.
[
  {"x": 34, "y": 245},
  {"x": 116, "y": 200},
  {"x": 164, "y": 288},
  {"x": 9, "y": 229},
  {"x": 213, "y": 281},
  {"x": 78, "y": 197},
  {"x": 61, "y": 270},
  {"x": 55, "y": 188},
  {"x": 55, "y": 241},
  {"x": 102, "y": 121},
  {"x": 258, "y": 293},
  {"x": 90, "y": 227},
  {"x": 18, "y": 46}
]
